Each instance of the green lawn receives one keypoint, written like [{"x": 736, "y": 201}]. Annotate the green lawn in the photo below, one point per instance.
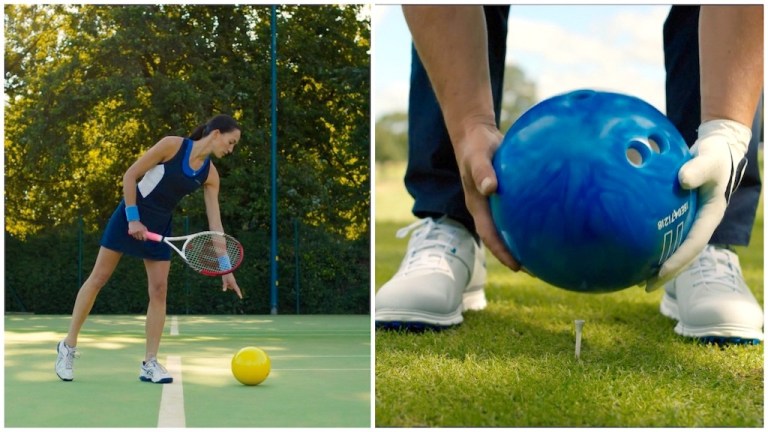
[{"x": 513, "y": 363}]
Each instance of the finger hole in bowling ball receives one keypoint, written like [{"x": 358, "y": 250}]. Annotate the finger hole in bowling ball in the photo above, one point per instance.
[
  {"x": 658, "y": 144},
  {"x": 638, "y": 153}
]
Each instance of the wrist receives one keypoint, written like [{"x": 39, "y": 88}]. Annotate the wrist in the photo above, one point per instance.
[
  {"x": 470, "y": 125},
  {"x": 132, "y": 213},
  {"x": 736, "y": 134},
  {"x": 224, "y": 263}
]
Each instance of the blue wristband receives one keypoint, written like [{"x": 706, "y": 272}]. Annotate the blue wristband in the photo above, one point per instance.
[
  {"x": 224, "y": 263},
  {"x": 132, "y": 213}
]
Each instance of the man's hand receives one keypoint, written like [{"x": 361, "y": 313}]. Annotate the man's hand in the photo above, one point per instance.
[
  {"x": 453, "y": 46},
  {"x": 715, "y": 170},
  {"x": 474, "y": 155}
]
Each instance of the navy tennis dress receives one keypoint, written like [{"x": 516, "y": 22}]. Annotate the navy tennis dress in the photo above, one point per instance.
[{"x": 157, "y": 195}]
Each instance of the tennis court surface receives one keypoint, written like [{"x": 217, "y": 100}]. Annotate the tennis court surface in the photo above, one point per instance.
[{"x": 321, "y": 372}]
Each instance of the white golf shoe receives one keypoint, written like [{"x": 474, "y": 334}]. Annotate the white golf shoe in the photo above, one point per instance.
[
  {"x": 442, "y": 275},
  {"x": 711, "y": 301}
]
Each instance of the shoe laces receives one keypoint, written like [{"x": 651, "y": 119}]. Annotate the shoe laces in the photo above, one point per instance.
[
  {"x": 153, "y": 364},
  {"x": 431, "y": 243},
  {"x": 717, "y": 267},
  {"x": 70, "y": 356}
]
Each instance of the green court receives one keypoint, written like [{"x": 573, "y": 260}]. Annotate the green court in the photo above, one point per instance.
[{"x": 321, "y": 372}]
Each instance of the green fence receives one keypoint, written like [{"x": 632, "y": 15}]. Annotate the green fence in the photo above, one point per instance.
[{"x": 319, "y": 273}]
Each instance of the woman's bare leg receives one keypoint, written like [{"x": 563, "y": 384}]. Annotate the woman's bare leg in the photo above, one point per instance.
[
  {"x": 106, "y": 262},
  {"x": 157, "y": 276}
]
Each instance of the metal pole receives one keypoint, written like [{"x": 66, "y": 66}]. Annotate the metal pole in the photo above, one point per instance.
[
  {"x": 186, "y": 270},
  {"x": 80, "y": 251},
  {"x": 273, "y": 262},
  {"x": 296, "y": 257}
]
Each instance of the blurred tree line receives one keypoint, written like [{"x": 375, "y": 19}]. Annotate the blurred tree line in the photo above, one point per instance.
[
  {"x": 89, "y": 88},
  {"x": 392, "y": 129}
]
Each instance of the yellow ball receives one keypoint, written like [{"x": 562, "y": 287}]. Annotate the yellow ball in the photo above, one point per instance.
[{"x": 251, "y": 366}]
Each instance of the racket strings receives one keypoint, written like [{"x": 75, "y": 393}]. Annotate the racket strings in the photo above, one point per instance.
[{"x": 205, "y": 253}]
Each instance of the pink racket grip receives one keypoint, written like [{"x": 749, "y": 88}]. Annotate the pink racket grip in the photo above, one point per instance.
[{"x": 154, "y": 237}]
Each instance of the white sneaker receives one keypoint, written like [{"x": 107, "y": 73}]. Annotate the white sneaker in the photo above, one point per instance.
[
  {"x": 152, "y": 371},
  {"x": 65, "y": 360},
  {"x": 442, "y": 275},
  {"x": 711, "y": 301}
]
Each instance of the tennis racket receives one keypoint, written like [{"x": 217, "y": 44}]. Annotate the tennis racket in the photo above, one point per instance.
[{"x": 209, "y": 253}]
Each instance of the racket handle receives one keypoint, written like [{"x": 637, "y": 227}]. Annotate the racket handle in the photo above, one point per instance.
[{"x": 154, "y": 237}]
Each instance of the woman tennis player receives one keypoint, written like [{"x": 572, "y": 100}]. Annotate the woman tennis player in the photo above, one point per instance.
[{"x": 152, "y": 187}]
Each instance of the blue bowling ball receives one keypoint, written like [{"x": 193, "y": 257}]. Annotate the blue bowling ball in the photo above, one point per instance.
[{"x": 588, "y": 197}]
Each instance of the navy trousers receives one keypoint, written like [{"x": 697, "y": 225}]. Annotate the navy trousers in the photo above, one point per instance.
[
  {"x": 681, "y": 60},
  {"x": 432, "y": 175}
]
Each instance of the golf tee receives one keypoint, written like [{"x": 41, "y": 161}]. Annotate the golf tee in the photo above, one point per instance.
[{"x": 579, "y": 326}]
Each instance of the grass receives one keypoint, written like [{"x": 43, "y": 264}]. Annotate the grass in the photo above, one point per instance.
[{"x": 513, "y": 363}]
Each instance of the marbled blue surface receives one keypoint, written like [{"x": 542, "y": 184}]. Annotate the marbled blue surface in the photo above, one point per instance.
[{"x": 574, "y": 208}]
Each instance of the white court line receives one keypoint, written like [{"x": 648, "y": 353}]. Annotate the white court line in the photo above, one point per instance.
[
  {"x": 339, "y": 370},
  {"x": 174, "y": 326},
  {"x": 172, "y": 399},
  {"x": 321, "y": 356}
]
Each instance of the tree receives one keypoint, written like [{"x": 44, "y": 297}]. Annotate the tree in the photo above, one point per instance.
[
  {"x": 519, "y": 94},
  {"x": 392, "y": 138},
  {"x": 90, "y": 87}
]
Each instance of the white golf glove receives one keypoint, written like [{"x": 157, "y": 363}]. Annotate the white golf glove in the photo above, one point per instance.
[{"x": 716, "y": 169}]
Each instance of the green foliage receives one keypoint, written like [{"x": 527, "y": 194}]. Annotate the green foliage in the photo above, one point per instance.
[
  {"x": 519, "y": 95},
  {"x": 44, "y": 273},
  {"x": 392, "y": 128},
  {"x": 89, "y": 88},
  {"x": 392, "y": 138}
]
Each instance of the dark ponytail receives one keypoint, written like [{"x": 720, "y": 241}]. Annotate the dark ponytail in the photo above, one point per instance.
[{"x": 222, "y": 122}]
